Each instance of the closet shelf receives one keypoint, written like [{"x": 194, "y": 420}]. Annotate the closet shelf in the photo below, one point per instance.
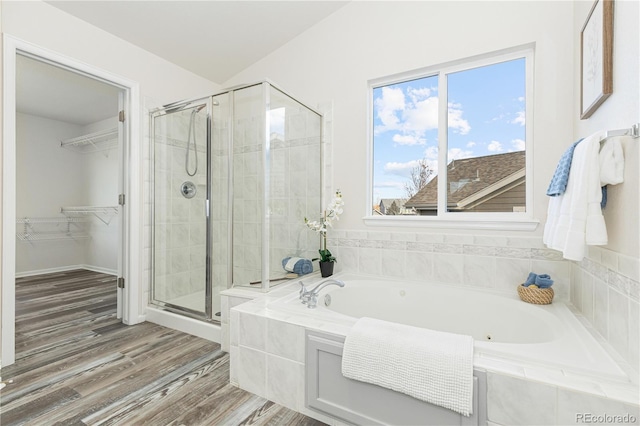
[
  {"x": 93, "y": 142},
  {"x": 51, "y": 228},
  {"x": 43, "y": 236},
  {"x": 103, "y": 213}
]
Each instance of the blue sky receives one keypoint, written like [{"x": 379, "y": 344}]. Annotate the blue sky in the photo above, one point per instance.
[{"x": 486, "y": 117}]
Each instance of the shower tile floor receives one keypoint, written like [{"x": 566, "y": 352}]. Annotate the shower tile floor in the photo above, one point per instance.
[{"x": 76, "y": 364}]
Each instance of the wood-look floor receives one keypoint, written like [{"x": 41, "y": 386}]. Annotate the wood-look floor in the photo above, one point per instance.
[{"x": 79, "y": 365}]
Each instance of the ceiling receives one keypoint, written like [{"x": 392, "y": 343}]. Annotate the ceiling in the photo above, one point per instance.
[
  {"x": 212, "y": 38},
  {"x": 52, "y": 92}
]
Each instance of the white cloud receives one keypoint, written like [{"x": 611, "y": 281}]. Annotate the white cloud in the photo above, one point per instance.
[
  {"x": 408, "y": 140},
  {"x": 471, "y": 144},
  {"x": 457, "y": 154},
  {"x": 520, "y": 119},
  {"x": 421, "y": 116},
  {"x": 518, "y": 144},
  {"x": 431, "y": 153},
  {"x": 520, "y": 98},
  {"x": 400, "y": 169},
  {"x": 495, "y": 146},
  {"x": 387, "y": 107},
  {"x": 389, "y": 184},
  {"x": 456, "y": 122}
]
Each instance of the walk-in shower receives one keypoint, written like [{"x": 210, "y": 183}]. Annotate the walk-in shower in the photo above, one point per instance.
[{"x": 233, "y": 177}]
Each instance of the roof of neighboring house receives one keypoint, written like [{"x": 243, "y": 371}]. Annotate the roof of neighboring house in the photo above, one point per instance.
[
  {"x": 389, "y": 201},
  {"x": 468, "y": 177}
]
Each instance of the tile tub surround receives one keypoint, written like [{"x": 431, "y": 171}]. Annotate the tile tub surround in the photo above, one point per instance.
[
  {"x": 605, "y": 289},
  {"x": 493, "y": 262},
  {"x": 267, "y": 348}
]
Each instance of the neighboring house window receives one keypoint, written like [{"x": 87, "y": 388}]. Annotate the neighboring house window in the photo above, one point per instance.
[{"x": 468, "y": 119}]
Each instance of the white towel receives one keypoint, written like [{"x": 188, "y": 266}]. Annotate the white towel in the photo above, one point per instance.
[
  {"x": 575, "y": 219},
  {"x": 611, "y": 160},
  {"x": 429, "y": 365}
]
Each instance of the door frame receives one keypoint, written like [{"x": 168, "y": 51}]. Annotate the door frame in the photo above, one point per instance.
[{"x": 131, "y": 172}]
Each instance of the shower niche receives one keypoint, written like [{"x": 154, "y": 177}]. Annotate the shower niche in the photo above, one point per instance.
[{"x": 233, "y": 176}]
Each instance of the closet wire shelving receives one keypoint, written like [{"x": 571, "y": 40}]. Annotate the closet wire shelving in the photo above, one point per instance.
[
  {"x": 103, "y": 213},
  {"x": 52, "y": 228},
  {"x": 101, "y": 141}
]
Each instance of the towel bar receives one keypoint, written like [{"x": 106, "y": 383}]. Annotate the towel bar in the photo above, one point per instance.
[{"x": 633, "y": 131}]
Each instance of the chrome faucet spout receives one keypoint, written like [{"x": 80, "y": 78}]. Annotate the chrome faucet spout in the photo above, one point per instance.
[{"x": 310, "y": 297}]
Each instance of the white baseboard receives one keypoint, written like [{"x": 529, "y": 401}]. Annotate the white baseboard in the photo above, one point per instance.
[
  {"x": 187, "y": 325},
  {"x": 66, "y": 269}
]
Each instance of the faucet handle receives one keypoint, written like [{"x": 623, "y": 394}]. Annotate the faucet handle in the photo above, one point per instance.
[{"x": 303, "y": 289}]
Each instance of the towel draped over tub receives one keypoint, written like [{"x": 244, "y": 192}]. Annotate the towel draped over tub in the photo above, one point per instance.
[{"x": 429, "y": 365}]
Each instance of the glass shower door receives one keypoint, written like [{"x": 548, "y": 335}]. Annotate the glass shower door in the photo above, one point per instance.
[{"x": 181, "y": 169}]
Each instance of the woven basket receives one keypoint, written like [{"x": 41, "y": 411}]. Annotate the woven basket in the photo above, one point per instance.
[{"x": 538, "y": 296}]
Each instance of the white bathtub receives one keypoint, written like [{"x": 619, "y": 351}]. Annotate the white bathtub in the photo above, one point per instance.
[{"x": 504, "y": 328}]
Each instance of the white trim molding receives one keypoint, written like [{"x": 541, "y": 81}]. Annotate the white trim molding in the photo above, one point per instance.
[{"x": 132, "y": 267}]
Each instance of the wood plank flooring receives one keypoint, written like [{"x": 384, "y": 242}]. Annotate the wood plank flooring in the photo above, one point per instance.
[{"x": 79, "y": 365}]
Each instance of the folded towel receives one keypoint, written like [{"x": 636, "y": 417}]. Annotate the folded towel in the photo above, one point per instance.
[
  {"x": 531, "y": 279},
  {"x": 297, "y": 265},
  {"x": 544, "y": 281},
  {"x": 558, "y": 183},
  {"x": 429, "y": 365}
]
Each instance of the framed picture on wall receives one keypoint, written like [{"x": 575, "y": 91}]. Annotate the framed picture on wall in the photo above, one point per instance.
[{"x": 596, "y": 58}]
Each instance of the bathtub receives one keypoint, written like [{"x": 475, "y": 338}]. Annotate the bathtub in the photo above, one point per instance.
[{"x": 504, "y": 328}]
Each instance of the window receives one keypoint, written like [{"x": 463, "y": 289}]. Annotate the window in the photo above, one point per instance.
[{"x": 451, "y": 141}]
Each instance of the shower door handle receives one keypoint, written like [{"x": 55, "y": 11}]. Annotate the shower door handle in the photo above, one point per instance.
[{"x": 206, "y": 208}]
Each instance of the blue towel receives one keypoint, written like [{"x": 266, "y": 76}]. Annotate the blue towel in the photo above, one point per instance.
[
  {"x": 297, "y": 265},
  {"x": 561, "y": 176},
  {"x": 531, "y": 279},
  {"x": 603, "y": 203},
  {"x": 544, "y": 281}
]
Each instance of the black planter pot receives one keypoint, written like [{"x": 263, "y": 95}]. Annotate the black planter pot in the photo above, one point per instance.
[{"x": 326, "y": 269}]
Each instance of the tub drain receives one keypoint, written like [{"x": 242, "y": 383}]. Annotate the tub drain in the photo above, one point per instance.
[{"x": 327, "y": 300}]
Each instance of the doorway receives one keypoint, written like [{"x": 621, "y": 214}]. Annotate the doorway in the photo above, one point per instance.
[{"x": 65, "y": 176}]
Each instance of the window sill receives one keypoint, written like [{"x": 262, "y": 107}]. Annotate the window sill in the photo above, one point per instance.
[{"x": 502, "y": 223}]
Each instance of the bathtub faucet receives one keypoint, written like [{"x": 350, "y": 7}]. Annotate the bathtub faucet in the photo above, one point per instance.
[{"x": 310, "y": 297}]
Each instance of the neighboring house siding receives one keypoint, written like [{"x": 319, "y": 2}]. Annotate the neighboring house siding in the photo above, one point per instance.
[{"x": 503, "y": 202}]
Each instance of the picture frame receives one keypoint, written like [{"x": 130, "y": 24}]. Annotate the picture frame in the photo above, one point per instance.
[{"x": 596, "y": 58}]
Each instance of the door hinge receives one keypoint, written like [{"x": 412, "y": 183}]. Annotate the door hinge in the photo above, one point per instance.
[
  {"x": 121, "y": 199},
  {"x": 121, "y": 116},
  {"x": 120, "y": 282}
]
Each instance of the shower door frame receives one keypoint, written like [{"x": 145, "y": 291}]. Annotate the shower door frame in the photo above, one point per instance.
[{"x": 153, "y": 114}]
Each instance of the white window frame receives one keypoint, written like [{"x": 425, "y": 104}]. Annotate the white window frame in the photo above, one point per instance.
[{"x": 461, "y": 220}]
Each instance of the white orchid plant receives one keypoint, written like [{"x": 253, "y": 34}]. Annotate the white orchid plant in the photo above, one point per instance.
[{"x": 334, "y": 209}]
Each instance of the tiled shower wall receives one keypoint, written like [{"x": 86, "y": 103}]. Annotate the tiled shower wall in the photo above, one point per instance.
[
  {"x": 605, "y": 289},
  {"x": 180, "y": 222}
]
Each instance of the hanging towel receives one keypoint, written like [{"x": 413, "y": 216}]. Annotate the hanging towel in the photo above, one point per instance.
[
  {"x": 611, "y": 160},
  {"x": 575, "y": 217},
  {"x": 429, "y": 365},
  {"x": 560, "y": 178},
  {"x": 297, "y": 265}
]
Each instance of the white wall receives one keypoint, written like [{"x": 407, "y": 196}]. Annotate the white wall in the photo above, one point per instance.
[
  {"x": 605, "y": 285},
  {"x": 48, "y": 177},
  {"x": 100, "y": 171},
  {"x": 333, "y": 61},
  {"x": 619, "y": 111}
]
